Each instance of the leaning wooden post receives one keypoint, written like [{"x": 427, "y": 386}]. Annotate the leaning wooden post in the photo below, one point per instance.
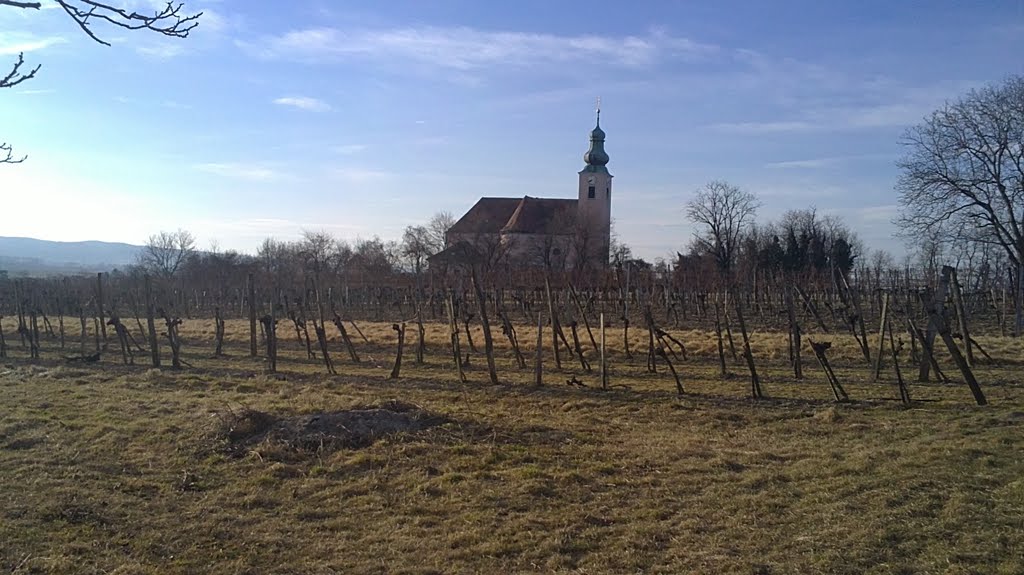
[
  {"x": 99, "y": 304},
  {"x": 583, "y": 314},
  {"x": 154, "y": 343},
  {"x": 904, "y": 392},
  {"x": 538, "y": 369},
  {"x": 929, "y": 338},
  {"x": 881, "y": 337},
  {"x": 819, "y": 351},
  {"x": 961, "y": 315},
  {"x": 251, "y": 285},
  {"x": 604, "y": 363},
  {"x": 755, "y": 381},
  {"x": 553, "y": 319},
  {"x": 453, "y": 335},
  {"x": 488, "y": 340},
  {"x": 938, "y": 324}
]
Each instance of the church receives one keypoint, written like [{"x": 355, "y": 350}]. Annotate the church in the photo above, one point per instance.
[{"x": 550, "y": 232}]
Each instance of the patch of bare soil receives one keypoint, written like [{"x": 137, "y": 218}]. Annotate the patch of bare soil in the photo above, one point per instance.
[{"x": 250, "y": 430}]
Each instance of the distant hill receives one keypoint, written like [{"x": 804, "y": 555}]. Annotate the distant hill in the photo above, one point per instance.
[{"x": 28, "y": 256}]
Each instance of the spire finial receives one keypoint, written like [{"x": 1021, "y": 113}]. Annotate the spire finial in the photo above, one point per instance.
[{"x": 599, "y": 110}]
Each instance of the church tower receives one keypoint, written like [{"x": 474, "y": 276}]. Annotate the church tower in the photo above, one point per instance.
[{"x": 594, "y": 220}]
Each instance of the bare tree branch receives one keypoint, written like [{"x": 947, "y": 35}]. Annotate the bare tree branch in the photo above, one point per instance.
[
  {"x": 168, "y": 21},
  {"x": 32, "y": 5},
  {"x": 7, "y": 155},
  {"x": 14, "y": 78}
]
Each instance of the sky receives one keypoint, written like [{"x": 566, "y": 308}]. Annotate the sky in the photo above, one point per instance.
[{"x": 362, "y": 118}]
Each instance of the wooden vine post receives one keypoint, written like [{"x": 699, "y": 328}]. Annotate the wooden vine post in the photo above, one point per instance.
[
  {"x": 794, "y": 335},
  {"x": 154, "y": 343},
  {"x": 99, "y": 304},
  {"x": 251, "y": 289},
  {"x": 883, "y": 322},
  {"x": 453, "y": 334},
  {"x": 928, "y": 341},
  {"x": 604, "y": 362},
  {"x": 538, "y": 366},
  {"x": 488, "y": 339},
  {"x": 961, "y": 316},
  {"x": 755, "y": 381},
  {"x": 400, "y": 330}
]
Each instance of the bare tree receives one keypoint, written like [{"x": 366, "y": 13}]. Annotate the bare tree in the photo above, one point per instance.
[
  {"x": 437, "y": 229},
  {"x": 723, "y": 211},
  {"x": 165, "y": 252},
  {"x": 416, "y": 246},
  {"x": 964, "y": 168},
  {"x": 168, "y": 21}
]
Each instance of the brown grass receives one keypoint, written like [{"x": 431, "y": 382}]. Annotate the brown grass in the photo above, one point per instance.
[{"x": 117, "y": 469}]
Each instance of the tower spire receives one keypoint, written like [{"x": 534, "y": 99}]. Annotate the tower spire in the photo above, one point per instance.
[{"x": 596, "y": 157}]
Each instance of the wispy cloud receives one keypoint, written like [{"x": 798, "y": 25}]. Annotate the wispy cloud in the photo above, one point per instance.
[
  {"x": 348, "y": 149},
  {"x": 16, "y": 43},
  {"x": 37, "y": 92},
  {"x": 817, "y": 163},
  {"x": 465, "y": 49},
  {"x": 763, "y": 127},
  {"x": 876, "y": 214},
  {"x": 359, "y": 175},
  {"x": 241, "y": 171},
  {"x": 803, "y": 164},
  {"x": 303, "y": 103},
  {"x": 161, "y": 51}
]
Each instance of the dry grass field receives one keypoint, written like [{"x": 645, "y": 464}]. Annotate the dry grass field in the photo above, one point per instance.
[{"x": 106, "y": 468}]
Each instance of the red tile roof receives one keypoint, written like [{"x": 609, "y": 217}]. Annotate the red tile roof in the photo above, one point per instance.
[{"x": 524, "y": 215}]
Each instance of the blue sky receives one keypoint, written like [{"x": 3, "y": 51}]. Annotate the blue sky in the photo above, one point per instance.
[{"x": 363, "y": 118}]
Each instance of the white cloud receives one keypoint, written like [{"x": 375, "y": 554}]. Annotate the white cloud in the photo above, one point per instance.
[
  {"x": 241, "y": 171},
  {"x": 359, "y": 175},
  {"x": 816, "y": 163},
  {"x": 763, "y": 127},
  {"x": 212, "y": 21},
  {"x": 465, "y": 49},
  {"x": 161, "y": 51},
  {"x": 348, "y": 149},
  {"x": 804, "y": 164},
  {"x": 303, "y": 103},
  {"x": 876, "y": 214},
  {"x": 16, "y": 43}
]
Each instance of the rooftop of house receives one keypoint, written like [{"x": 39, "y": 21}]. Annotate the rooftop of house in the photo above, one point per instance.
[{"x": 526, "y": 215}]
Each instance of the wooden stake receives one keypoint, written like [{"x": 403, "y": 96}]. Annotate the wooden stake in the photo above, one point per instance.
[
  {"x": 882, "y": 323},
  {"x": 604, "y": 363},
  {"x": 538, "y": 372},
  {"x": 154, "y": 343},
  {"x": 251, "y": 285},
  {"x": 99, "y": 304}
]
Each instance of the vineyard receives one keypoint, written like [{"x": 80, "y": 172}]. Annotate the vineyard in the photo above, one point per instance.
[{"x": 316, "y": 427}]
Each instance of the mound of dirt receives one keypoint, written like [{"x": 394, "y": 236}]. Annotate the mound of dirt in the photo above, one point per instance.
[{"x": 251, "y": 430}]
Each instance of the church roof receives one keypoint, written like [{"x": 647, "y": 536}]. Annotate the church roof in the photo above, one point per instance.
[
  {"x": 524, "y": 215},
  {"x": 487, "y": 216},
  {"x": 547, "y": 216}
]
